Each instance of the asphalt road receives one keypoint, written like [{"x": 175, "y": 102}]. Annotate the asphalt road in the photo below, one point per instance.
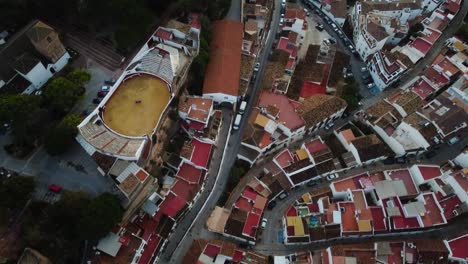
[
  {"x": 193, "y": 224},
  {"x": 75, "y": 170},
  {"x": 235, "y": 10},
  {"x": 224, "y": 158}
]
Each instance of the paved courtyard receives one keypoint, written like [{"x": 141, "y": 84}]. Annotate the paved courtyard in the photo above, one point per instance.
[{"x": 75, "y": 170}]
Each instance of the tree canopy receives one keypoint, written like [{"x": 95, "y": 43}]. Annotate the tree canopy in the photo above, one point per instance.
[
  {"x": 60, "y": 138},
  {"x": 26, "y": 116},
  {"x": 462, "y": 32},
  {"x": 16, "y": 191},
  {"x": 100, "y": 216},
  {"x": 351, "y": 94},
  {"x": 57, "y": 230},
  {"x": 61, "y": 94},
  {"x": 79, "y": 77}
]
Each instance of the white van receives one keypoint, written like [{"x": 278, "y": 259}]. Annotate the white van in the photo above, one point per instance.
[
  {"x": 237, "y": 122},
  {"x": 242, "y": 107}
]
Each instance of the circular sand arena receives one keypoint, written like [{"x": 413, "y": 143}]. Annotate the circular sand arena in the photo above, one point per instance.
[{"x": 136, "y": 106}]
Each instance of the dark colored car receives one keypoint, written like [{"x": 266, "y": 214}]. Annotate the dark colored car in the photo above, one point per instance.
[
  {"x": 97, "y": 100},
  {"x": 400, "y": 160},
  {"x": 430, "y": 154},
  {"x": 389, "y": 161},
  {"x": 312, "y": 183},
  {"x": 272, "y": 205},
  {"x": 101, "y": 94},
  {"x": 109, "y": 82}
]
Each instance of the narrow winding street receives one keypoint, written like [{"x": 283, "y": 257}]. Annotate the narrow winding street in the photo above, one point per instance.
[{"x": 192, "y": 225}]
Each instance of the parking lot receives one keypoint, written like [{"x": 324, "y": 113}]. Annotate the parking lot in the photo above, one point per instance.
[
  {"x": 99, "y": 75},
  {"x": 313, "y": 35}
]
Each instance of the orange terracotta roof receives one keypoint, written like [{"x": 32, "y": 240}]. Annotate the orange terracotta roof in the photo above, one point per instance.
[
  {"x": 142, "y": 175},
  {"x": 348, "y": 135},
  {"x": 223, "y": 71}
]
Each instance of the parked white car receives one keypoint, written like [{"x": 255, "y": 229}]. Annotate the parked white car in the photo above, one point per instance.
[{"x": 331, "y": 177}]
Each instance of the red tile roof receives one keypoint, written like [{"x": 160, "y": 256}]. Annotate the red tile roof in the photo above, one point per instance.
[
  {"x": 250, "y": 224},
  {"x": 142, "y": 175},
  {"x": 348, "y": 219},
  {"x": 287, "y": 109},
  {"x": 405, "y": 176},
  {"x": 432, "y": 36},
  {"x": 201, "y": 153},
  {"x": 238, "y": 255},
  {"x": 249, "y": 193},
  {"x": 287, "y": 46},
  {"x": 423, "y": 89},
  {"x": 452, "y": 6},
  {"x": 151, "y": 248},
  {"x": 378, "y": 219},
  {"x": 172, "y": 205},
  {"x": 315, "y": 146},
  {"x": 401, "y": 222},
  {"x": 243, "y": 204},
  {"x": 435, "y": 76},
  {"x": 421, "y": 45},
  {"x": 223, "y": 71},
  {"x": 448, "y": 67},
  {"x": 292, "y": 211},
  {"x": 458, "y": 247},
  {"x": 433, "y": 215},
  {"x": 189, "y": 173},
  {"x": 448, "y": 205},
  {"x": 309, "y": 89},
  {"x": 429, "y": 172},
  {"x": 211, "y": 250},
  {"x": 285, "y": 158},
  {"x": 295, "y": 13},
  {"x": 163, "y": 34},
  {"x": 185, "y": 190}
]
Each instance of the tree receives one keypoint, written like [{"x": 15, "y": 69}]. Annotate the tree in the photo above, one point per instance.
[
  {"x": 26, "y": 116},
  {"x": 16, "y": 191},
  {"x": 100, "y": 216},
  {"x": 62, "y": 136},
  {"x": 79, "y": 77},
  {"x": 414, "y": 29},
  {"x": 351, "y": 94},
  {"x": 462, "y": 32},
  {"x": 64, "y": 215},
  {"x": 61, "y": 95}
]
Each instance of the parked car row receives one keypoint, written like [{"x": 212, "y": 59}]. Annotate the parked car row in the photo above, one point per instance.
[
  {"x": 237, "y": 120},
  {"x": 103, "y": 91},
  {"x": 7, "y": 173},
  {"x": 332, "y": 24}
]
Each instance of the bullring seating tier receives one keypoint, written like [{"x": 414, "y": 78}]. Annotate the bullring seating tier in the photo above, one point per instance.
[
  {"x": 159, "y": 64},
  {"x": 101, "y": 138}
]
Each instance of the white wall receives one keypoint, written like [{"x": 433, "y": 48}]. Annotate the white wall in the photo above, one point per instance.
[
  {"x": 62, "y": 62},
  {"x": 221, "y": 98},
  {"x": 38, "y": 75},
  {"x": 462, "y": 160}
]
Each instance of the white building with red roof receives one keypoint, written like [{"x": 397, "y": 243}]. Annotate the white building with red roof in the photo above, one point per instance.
[
  {"x": 197, "y": 152},
  {"x": 457, "y": 248},
  {"x": 385, "y": 69},
  {"x": 425, "y": 173},
  {"x": 222, "y": 76},
  {"x": 196, "y": 112}
]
